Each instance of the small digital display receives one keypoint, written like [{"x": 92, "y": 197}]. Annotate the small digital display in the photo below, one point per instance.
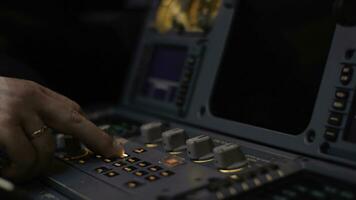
[
  {"x": 164, "y": 72},
  {"x": 274, "y": 63}
]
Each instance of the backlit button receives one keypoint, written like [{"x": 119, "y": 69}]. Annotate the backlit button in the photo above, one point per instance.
[
  {"x": 172, "y": 161},
  {"x": 132, "y": 160},
  {"x": 152, "y": 178},
  {"x": 99, "y": 156},
  {"x": 335, "y": 119},
  {"x": 345, "y": 79},
  {"x": 111, "y": 174},
  {"x": 144, "y": 164},
  {"x": 119, "y": 164},
  {"x": 101, "y": 170},
  {"x": 331, "y": 134},
  {"x": 133, "y": 184},
  {"x": 129, "y": 168},
  {"x": 340, "y": 94},
  {"x": 347, "y": 70},
  {"x": 140, "y": 173},
  {"x": 155, "y": 168},
  {"x": 82, "y": 162},
  {"x": 107, "y": 160},
  {"x": 139, "y": 150},
  {"x": 339, "y": 105},
  {"x": 166, "y": 173}
]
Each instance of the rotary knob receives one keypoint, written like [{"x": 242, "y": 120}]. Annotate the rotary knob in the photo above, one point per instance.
[
  {"x": 71, "y": 147},
  {"x": 152, "y": 132},
  {"x": 200, "y": 148},
  {"x": 229, "y": 156},
  {"x": 174, "y": 140}
]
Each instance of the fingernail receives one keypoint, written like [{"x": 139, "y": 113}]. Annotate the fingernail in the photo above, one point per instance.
[{"x": 119, "y": 146}]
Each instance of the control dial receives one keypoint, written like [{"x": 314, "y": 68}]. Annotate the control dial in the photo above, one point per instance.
[
  {"x": 200, "y": 148},
  {"x": 152, "y": 132},
  {"x": 71, "y": 147},
  {"x": 174, "y": 140},
  {"x": 229, "y": 156}
]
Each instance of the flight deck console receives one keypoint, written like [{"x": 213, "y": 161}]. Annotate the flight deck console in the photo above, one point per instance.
[{"x": 226, "y": 99}]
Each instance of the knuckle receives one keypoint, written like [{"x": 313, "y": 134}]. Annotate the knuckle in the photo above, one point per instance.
[
  {"x": 76, "y": 106},
  {"x": 75, "y": 117},
  {"x": 28, "y": 89},
  {"x": 7, "y": 119}
]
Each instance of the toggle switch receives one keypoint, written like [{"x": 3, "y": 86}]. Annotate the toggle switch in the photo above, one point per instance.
[
  {"x": 229, "y": 156},
  {"x": 152, "y": 132},
  {"x": 200, "y": 148},
  {"x": 174, "y": 140}
]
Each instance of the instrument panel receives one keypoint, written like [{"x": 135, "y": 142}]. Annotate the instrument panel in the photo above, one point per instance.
[
  {"x": 230, "y": 99},
  {"x": 284, "y": 81}
]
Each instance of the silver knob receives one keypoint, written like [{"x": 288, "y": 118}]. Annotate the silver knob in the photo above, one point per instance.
[
  {"x": 200, "y": 148},
  {"x": 174, "y": 139},
  {"x": 229, "y": 156}
]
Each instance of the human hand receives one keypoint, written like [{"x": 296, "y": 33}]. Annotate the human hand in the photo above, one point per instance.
[{"x": 25, "y": 108}]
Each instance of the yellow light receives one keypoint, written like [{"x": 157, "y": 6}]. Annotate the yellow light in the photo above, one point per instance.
[
  {"x": 151, "y": 145},
  {"x": 227, "y": 171},
  {"x": 175, "y": 152},
  {"x": 203, "y": 161}
]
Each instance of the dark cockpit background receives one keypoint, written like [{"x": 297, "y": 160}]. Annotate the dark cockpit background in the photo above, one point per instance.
[{"x": 81, "y": 49}]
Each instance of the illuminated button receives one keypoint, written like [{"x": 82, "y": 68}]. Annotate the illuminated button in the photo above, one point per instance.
[
  {"x": 129, "y": 168},
  {"x": 99, "y": 156},
  {"x": 101, "y": 169},
  {"x": 119, "y": 164},
  {"x": 152, "y": 178},
  {"x": 347, "y": 69},
  {"x": 81, "y": 162},
  {"x": 133, "y": 184},
  {"x": 166, "y": 173},
  {"x": 111, "y": 174},
  {"x": 172, "y": 161},
  {"x": 341, "y": 94},
  {"x": 331, "y": 134},
  {"x": 124, "y": 155},
  {"x": 155, "y": 168},
  {"x": 335, "y": 119},
  {"x": 339, "y": 105},
  {"x": 107, "y": 160},
  {"x": 345, "y": 79},
  {"x": 132, "y": 160},
  {"x": 139, "y": 150},
  {"x": 144, "y": 164},
  {"x": 140, "y": 173}
]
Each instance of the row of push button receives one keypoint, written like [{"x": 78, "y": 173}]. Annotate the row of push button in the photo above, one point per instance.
[{"x": 339, "y": 104}]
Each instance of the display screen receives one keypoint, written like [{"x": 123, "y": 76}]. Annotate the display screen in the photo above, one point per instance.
[
  {"x": 164, "y": 72},
  {"x": 274, "y": 62}
]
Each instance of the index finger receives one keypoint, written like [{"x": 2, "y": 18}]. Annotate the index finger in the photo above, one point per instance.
[{"x": 67, "y": 120}]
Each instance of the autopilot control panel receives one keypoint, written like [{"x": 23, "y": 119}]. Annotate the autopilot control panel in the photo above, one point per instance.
[{"x": 227, "y": 99}]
